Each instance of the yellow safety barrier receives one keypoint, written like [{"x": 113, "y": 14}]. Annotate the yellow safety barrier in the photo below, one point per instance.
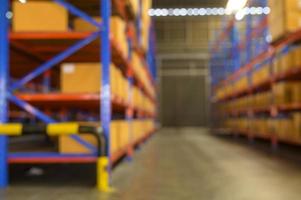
[
  {"x": 62, "y": 129},
  {"x": 12, "y": 129},
  {"x": 103, "y": 177}
]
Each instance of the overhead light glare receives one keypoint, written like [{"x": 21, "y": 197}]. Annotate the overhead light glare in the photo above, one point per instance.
[
  {"x": 183, "y": 12},
  {"x": 234, "y": 6}
]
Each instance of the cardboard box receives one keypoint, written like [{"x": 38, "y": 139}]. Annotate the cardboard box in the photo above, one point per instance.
[
  {"x": 276, "y": 65},
  {"x": 67, "y": 145},
  {"x": 283, "y": 92},
  {"x": 287, "y": 62},
  {"x": 297, "y": 126},
  {"x": 261, "y": 75},
  {"x": 81, "y": 77},
  {"x": 285, "y": 17},
  {"x": 296, "y": 92},
  {"x": 86, "y": 78},
  {"x": 39, "y": 16},
  {"x": 297, "y": 57}
]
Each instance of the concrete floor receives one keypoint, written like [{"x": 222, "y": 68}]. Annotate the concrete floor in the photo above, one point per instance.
[{"x": 177, "y": 164}]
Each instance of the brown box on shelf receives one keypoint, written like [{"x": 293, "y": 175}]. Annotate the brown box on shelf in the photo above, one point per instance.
[
  {"x": 285, "y": 17},
  {"x": 114, "y": 137},
  {"x": 124, "y": 134},
  {"x": 261, "y": 74},
  {"x": 68, "y": 145},
  {"x": 276, "y": 65},
  {"x": 86, "y": 78},
  {"x": 81, "y": 77},
  {"x": 287, "y": 62},
  {"x": 283, "y": 92},
  {"x": 39, "y": 16},
  {"x": 297, "y": 57},
  {"x": 296, "y": 92},
  {"x": 281, "y": 127},
  {"x": 297, "y": 125}
]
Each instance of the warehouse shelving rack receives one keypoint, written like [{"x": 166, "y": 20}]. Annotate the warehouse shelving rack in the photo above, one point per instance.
[
  {"x": 73, "y": 47},
  {"x": 266, "y": 53}
]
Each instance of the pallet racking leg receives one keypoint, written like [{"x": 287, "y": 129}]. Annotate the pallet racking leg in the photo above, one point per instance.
[
  {"x": 104, "y": 165},
  {"x": 4, "y": 62}
]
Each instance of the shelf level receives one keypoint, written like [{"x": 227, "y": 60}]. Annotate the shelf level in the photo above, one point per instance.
[
  {"x": 84, "y": 101},
  {"x": 54, "y": 158},
  {"x": 54, "y": 43},
  {"x": 266, "y": 84},
  {"x": 271, "y": 109}
]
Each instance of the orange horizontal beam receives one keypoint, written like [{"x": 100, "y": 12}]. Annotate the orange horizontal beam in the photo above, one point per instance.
[
  {"x": 50, "y": 160},
  {"x": 48, "y": 35}
]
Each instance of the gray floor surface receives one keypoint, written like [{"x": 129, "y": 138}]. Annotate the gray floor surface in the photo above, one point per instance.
[{"x": 176, "y": 164}]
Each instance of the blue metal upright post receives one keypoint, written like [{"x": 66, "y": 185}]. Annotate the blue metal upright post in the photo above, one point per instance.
[
  {"x": 103, "y": 164},
  {"x": 4, "y": 66},
  {"x": 129, "y": 110}
]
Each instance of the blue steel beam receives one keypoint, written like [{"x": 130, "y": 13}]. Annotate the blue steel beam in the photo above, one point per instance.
[
  {"x": 40, "y": 115},
  {"x": 54, "y": 61},
  {"x": 105, "y": 113},
  {"x": 46, "y": 82},
  {"x": 72, "y": 9},
  {"x": 4, "y": 78},
  {"x": 129, "y": 110}
]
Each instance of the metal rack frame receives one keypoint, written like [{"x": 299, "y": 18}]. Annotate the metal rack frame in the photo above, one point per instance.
[
  {"x": 105, "y": 98},
  {"x": 267, "y": 54}
]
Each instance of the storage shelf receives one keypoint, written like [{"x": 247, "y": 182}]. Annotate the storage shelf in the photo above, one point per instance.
[
  {"x": 276, "y": 47},
  {"x": 265, "y": 136},
  {"x": 290, "y": 74},
  {"x": 54, "y": 43},
  {"x": 84, "y": 101},
  {"x": 273, "y": 108},
  {"x": 29, "y": 67},
  {"x": 54, "y": 158}
]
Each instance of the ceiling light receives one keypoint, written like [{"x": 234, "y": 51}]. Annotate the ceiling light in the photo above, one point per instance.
[
  {"x": 164, "y": 12},
  {"x": 233, "y": 6}
]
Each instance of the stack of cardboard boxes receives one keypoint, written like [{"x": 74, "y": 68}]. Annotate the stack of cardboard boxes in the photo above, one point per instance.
[
  {"x": 261, "y": 75},
  {"x": 288, "y": 92},
  {"x": 146, "y": 23},
  {"x": 140, "y": 72},
  {"x": 141, "y": 102},
  {"x": 141, "y": 128},
  {"x": 285, "y": 17}
]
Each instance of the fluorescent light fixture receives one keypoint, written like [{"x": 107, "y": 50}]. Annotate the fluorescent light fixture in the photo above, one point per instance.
[
  {"x": 22, "y": 1},
  {"x": 183, "y": 12},
  {"x": 234, "y": 6}
]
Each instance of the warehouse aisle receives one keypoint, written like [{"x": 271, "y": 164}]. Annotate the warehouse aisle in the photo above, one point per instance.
[{"x": 183, "y": 164}]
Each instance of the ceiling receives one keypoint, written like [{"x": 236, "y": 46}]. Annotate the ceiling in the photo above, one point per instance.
[{"x": 188, "y": 3}]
